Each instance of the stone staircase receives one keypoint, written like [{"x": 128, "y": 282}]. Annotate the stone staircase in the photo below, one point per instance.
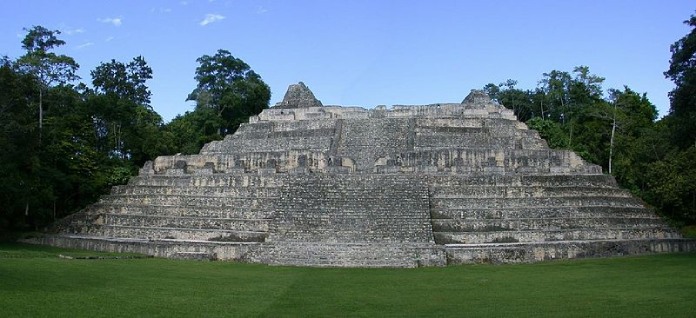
[
  {"x": 353, "y": 220},
  {"x": 196, "y": 210},
  {"x": 547, "y": 211}
]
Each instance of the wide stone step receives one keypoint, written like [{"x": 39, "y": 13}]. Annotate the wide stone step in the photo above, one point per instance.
[
  {"x": 286, "y": 133},
  {"x": 214, "y": 180},
  {"x": 539, "y": 180},
  {"x": 241, "y": 192},
  {"x": 326, "y": 254},
  {"x": 501, "y": 191},
  {"x": 318, "y": 134},
  {"x": 587, "y": 211},
  {"x": 198, "y": 256},
  {"x": 545, "y": 224},
  {"x": 555, "y": 235},
  {"x": 185, "y": 200},
  {"x": 436, "y": 140},
  {"x": 497, "y": 253},
  {"x": 156, "y": 233},
  {"x": 238, "y": 251},
  {"x": 291, "y": 125},
  {"x": 361, "y": 234},
  {"x": 227, "y": 212},
  {"x": 475, "y": 155},
  {"x": 263, "y": 129},
  {"x": 155, "y": 180},
  {"x": 492, "y": 202},
  {"x": 187, "y": 222},
  {"x": 279, "y": 143}
]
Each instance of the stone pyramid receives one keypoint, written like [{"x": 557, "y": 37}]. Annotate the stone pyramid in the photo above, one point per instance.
[{"x": 424, "y": 185}]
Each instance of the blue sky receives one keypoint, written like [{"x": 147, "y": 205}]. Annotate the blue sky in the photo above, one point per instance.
[{"x": 366, "y": 53}]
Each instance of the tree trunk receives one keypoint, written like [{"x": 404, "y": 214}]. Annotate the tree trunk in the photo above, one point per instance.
[
  {"x": 611, "y": 141},
  {"x": 40, "y": 113}
]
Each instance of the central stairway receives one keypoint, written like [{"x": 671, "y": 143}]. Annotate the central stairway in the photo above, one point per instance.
[{"x": 353, "y": 220}]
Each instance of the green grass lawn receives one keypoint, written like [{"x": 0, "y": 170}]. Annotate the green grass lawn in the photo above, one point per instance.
[{"x": 35, "y": 282}]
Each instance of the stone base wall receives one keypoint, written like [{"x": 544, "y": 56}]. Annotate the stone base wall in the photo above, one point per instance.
[
  {"x": 233, "y": 251},
  {"x": 374, "y": 255},
  {"x": 505, "y": 253}
]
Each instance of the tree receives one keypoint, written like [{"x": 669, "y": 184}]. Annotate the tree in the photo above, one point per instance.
[
  {"x": 521, "y": 102},
  {"x": 18, "y": 141},
  {"x": 555, "y": 86},
  {"x": 190, "y": 131},
  {"x": 49, "y": 68},
  {"x": 588, "y": 84},
  {"x": 125, "y": 124},
  {"x": 569, "y": 111},
  {"x": 671, "y": 187},
  {"x": 682, "y": 71},
  {"x": 71, "y": 165},
  {"x": 87, "y": 139},
  {"x": 633, "y": 116},
  {"x": 551, "y": 131},
  {"x": 669, "y": 177},
  {"x": 126, "y": 81},
  {"x": 229, "y": 86}
]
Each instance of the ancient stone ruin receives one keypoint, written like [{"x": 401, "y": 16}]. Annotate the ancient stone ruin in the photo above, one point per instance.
[{"x": 427, "y": 185}]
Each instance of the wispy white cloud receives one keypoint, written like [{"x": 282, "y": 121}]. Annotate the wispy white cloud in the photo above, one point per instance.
[
  {"x": 84, "y": 45},
  {"x": 71, "y": 31},
  {"x": 183, "y": 3},
  {"x": 210, "y": 18},
  {"x": 261, "y": 10},
  {"x": 115, "y": 21},
  {"x": 109, "y": 39},
  {"x": 160, "y": 10}
]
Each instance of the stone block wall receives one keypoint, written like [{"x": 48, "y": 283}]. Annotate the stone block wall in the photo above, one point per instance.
[
  {"x": 477, "y": 161},
  {"x": 366, "y": 140}
]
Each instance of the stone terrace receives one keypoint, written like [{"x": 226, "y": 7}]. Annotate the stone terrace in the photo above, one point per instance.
[{"x": 426, "y": 185}]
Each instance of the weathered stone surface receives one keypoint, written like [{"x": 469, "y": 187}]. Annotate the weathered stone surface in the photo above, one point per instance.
[
  {"x": 477, "y": 97},
  {"x": 419, "y": 185},
  {"x": 299, "y": 96}
]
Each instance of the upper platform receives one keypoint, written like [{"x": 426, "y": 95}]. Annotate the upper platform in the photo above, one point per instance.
[{"x": 476, "y": 136}]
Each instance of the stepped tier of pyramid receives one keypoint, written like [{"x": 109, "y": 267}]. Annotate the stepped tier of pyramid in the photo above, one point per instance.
[{"x": 425, "y": 185}]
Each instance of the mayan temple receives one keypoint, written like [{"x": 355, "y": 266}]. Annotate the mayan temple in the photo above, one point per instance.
[{"x": 402, "y": 186}]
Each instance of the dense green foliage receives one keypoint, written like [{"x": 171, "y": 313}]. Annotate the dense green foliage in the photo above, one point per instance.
[
  {"x": 36, "y": 283},
  {"x": 682, "y": 71},
  {"x": 617, "y": 129},
  {"x": 63, "y": 144},
  {"x": 47, "y": 67},
  {"x": 228, "y": 86}
]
